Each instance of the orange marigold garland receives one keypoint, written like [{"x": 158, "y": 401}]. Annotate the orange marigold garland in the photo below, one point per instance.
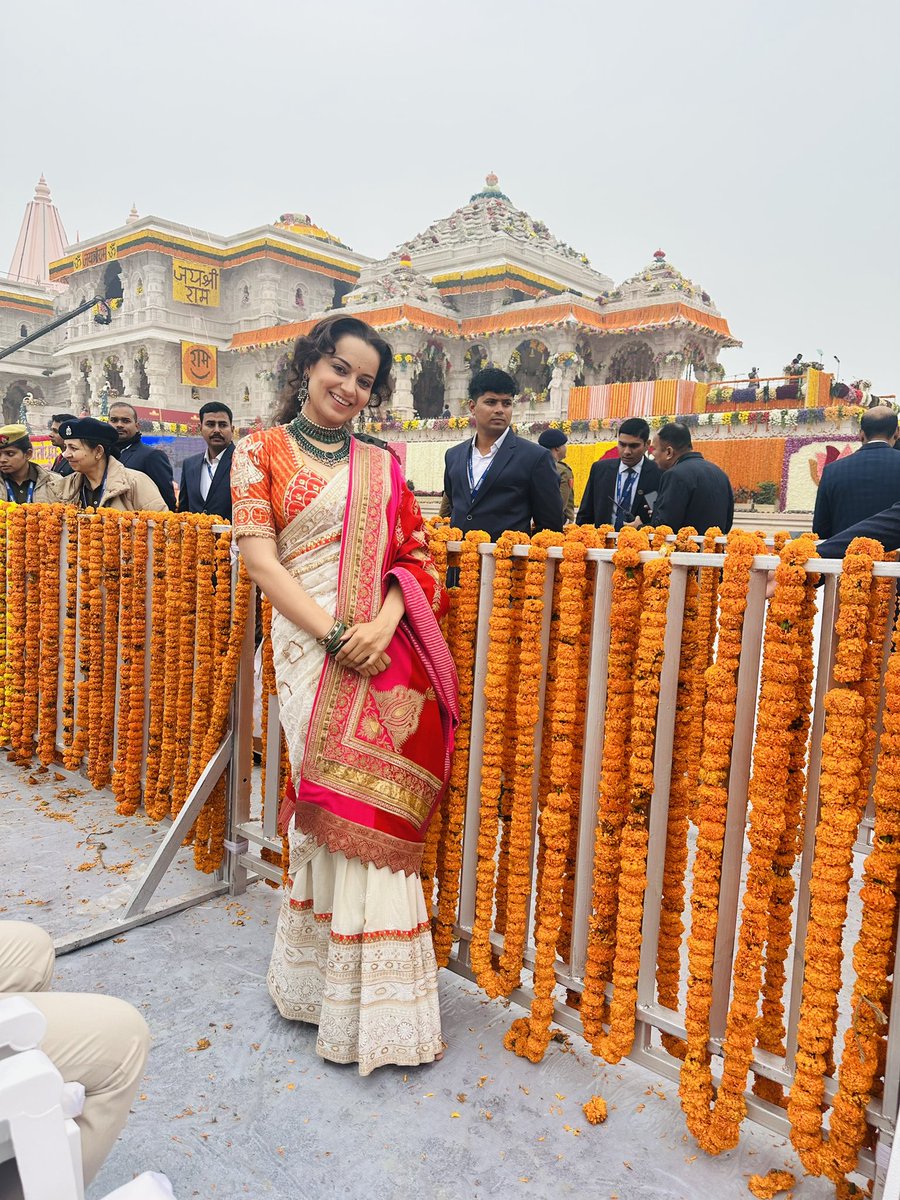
[
  {"x": 31, "y": 665},
  {"x": 508, "y": 765},
  {"x": 172, "y": 648},
  {"x": 110, "y": 635},
  {"x": 873, "y": 954},
  {"x": 92, "y": 634},
  {"x": 771, "y": 1030},
  {"x": 4, "y": 583},
  {"x": 268, "y": 691},
  {"x": 186, "y": 633},
  {"x": 842, "y": 801},
  {"x": 696, "y": 1089},
  {"x": 133, "y": 717},
  {"x": 51, "y": 531},
  {"x": 530, "y": 1036},
  {"x": 497, "y": 704},
  {"x": 208, "y": 853},
  {"x": 625, "y": 620},
  {"x": 635, "y": 834},
  {"x": 688, "y": 699},
  {"x": 464, "y": 600},
  {"x": 16, "y": 613},
  {"x": 778, "y": 711},
  {"x": 157, "y": 808},
  {"x": 127, "y": 632}
]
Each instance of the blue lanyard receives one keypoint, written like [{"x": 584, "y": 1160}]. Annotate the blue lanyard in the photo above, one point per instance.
[
  {"x": 473, "y": 486},
  {"x": 11, "y": 496}
]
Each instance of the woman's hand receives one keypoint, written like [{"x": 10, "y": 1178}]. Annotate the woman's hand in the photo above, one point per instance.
[{"x": 363, "y": 648}]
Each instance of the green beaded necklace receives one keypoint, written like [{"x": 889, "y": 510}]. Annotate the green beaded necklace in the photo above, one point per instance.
[{"x": 302, "y": 428}]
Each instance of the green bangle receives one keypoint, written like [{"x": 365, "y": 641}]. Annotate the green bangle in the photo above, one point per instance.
[{"x": 335, "y": 640}]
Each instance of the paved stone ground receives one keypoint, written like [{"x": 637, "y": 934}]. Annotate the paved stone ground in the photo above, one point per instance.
[{"x": 257, "y": 1114}]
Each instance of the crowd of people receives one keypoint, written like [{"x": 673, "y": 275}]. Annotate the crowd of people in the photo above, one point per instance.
[{"x": 331, "y": 533}]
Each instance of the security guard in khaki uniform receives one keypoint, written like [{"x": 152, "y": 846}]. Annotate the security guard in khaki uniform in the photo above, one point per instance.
[
  {"x": 25, "y": 481},
  {"x": 555, "y": 441}
]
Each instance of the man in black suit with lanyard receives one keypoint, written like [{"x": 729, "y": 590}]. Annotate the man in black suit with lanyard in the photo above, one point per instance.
[
  {"x": 620, "y": 489},
  {"x": 497, "y": 481},
  {"x": 206, "y": 478}
]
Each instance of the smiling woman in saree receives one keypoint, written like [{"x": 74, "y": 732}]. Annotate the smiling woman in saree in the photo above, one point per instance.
[{"x": 367, "y": 695}]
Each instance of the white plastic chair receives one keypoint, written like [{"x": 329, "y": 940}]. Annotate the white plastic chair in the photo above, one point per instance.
[{"x": 37, "y": 1111}]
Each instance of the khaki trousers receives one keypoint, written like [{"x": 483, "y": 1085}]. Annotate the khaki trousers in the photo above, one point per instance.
[{"x": 98, "y": 1041}]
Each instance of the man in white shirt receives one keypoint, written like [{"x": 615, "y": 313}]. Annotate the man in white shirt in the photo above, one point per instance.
[{"x": 206, "y": 478}]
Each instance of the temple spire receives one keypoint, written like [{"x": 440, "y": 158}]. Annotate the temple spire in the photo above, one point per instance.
[{"x": 42, "y": 238}]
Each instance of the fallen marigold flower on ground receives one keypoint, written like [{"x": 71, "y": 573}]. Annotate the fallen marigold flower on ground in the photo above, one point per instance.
[
  {"x": 767, "y": 1186},
  {"x": 595, "y": 1110}
]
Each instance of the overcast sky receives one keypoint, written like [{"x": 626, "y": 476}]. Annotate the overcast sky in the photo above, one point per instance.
[{"x": 756, "y": 143}]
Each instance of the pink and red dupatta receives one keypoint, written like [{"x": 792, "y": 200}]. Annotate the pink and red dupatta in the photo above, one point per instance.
[{"x": 377, "y": 755}]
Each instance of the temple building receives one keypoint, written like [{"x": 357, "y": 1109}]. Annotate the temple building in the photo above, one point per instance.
[{"x": 197, "y": 316}]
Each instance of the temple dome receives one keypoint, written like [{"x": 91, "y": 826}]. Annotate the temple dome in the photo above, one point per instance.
[
  {"x": 395, "y": 282},
  {"x": 488, "y": 215},
  {"x": 305, "y": 226},
  {"x": 658, "y": 283}
]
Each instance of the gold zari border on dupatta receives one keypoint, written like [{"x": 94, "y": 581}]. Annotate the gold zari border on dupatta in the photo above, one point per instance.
[{"x": 334, "y": 755}]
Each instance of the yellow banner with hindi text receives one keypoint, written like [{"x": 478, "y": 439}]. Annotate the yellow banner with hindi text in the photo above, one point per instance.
[{"x": 194, "y": 283}]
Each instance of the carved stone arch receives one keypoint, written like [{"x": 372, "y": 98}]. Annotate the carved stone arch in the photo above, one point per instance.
[
  {"x": 429, "y": 383},
  {"x": 633, "y": 362},
  {"x": 529, "y": 365}
]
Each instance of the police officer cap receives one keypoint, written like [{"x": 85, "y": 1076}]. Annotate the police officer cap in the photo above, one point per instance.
[
  {"x": 551, "y": 439},
  {"x": 15, "y": 435},
  {"x": 89, "y": 429}
]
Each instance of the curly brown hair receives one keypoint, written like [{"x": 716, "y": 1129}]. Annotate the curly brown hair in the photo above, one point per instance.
[{"x": 320, "y": 341}]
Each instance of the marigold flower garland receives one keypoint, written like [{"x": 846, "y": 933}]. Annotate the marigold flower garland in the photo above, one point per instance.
[
  {"x": 155, "y": 808},
  {"x": 873, "y": 954},
  {"x": 16, "y": 612},
  {"x": 770, "y": 1029},
  {"x": 134, "y": 717},
  {"x": 76, "y": 568},
  {"x": 185, "y": 631},
  {"x": 635, "y": 834},
  {"x": 449, "y": 861},
  {"x": 530, "y": 1036},
  {"x": 625, "y": 620},
  {"x": 50, "y": 538},
  {"x": 30, "y": 667},
  {"x": 508, "y": 774},
  {"x": 127, "y": 631},
  {"x": 696, "y": 1089},
  {"x": 777, "y": 712},
  {"x": 172, "y": 648},
  {"x": 110, "y": 630},
  {"x": 842, "y": 801},
  {"x": 688, "y": 698},
  {"x": 202, "y": 664},
  {"x": 268, "y": 691},
  {"x": 92, "y": 635},
  {"x": 208, "y": 853},
  {"x": 498, "y": 702},
  {"x": 4, "y": 580}
]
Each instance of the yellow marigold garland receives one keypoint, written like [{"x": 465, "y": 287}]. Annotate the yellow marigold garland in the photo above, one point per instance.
[
  {"x": 625, "y": 619},
  {"x": 464, "y": 600},
  {"x": 508, "y": 774},
  {"x": 92, "y": 635},
  {"x": 127, "y": 631},
  {"x": 497, "y": 706},
  {"x": 842, "y": 801},
  {"x": 635, "y": 834},
  {"x": 50, "y": 537},
  {"x": 110, "y": 634},
  {"x": 696, "y": 1089},
  {"x": 530, "y": 1036},
  {"x": 4, "y": 583}
]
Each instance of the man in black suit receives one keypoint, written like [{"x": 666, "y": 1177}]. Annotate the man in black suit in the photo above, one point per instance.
[
  {"x": 138, "y": 457},
  {"x": 693, "y": 491},
  {"x": 619, "y": 489},
  {"x": 863, "y": 484},
  {"x": 497, "y": 481},
  {"x": 206, "y": 478},
  {"x": 61, "y": 466}
]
